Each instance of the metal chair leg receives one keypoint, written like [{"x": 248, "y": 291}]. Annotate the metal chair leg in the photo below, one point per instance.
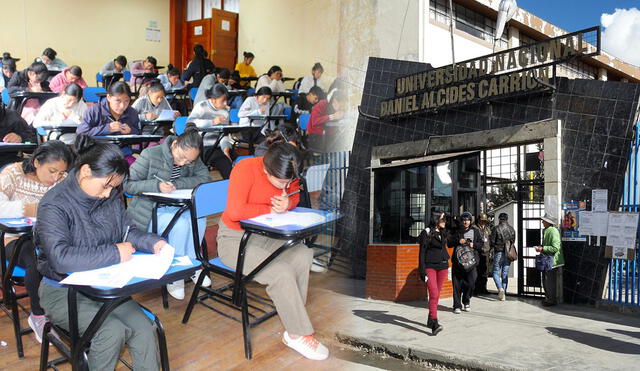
[
  {"x": 194, "y": 296},
  {"x": 246, "y": 326},
  {"x": 165, "y": 297},
  {"x": 15, "y": 317},
  {"x": 162, "y": 345},
  {"x": 44, "y": 349}
]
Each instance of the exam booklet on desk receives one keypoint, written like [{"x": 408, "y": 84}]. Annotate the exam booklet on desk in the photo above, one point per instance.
[
  {"x": 178, "y": 194},
  {"x": 149, "y": 266},
  {"x": 166, "y": 115},
  {"x": 302, "y": 219}
]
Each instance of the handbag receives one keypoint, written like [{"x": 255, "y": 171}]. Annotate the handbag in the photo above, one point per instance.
[
  {"x": 544, "y": 263},
  {"x": 511, "y": 251}
]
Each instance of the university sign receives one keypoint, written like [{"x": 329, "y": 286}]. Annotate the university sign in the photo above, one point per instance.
[{"x": 513, "y": 71}]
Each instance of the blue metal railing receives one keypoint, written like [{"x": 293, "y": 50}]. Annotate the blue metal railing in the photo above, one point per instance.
[{"x": 623, "y": 274}]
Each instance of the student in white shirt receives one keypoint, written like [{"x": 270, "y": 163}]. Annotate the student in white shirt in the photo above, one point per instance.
[
  {"x": 118, "y": 65},
  {"x": 151, "y": 105},
  {"x": 312, "y": 80},
  {"x": 66, "y": 109},
  {"x": 272, "y": 79}
]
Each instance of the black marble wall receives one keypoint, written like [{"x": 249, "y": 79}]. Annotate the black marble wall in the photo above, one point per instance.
[{"x": 597, "y": 130}]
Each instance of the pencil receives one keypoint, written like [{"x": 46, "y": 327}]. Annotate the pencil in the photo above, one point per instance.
[{"x": 292, "y": 193}]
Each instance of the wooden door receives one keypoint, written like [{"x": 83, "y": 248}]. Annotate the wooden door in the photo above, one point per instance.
[
  {"x": 224, "y": 38},
  {"x": 195, "y": 32}
]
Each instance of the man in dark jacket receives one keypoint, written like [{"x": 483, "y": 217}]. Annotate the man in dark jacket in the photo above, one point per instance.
[
  {"x": 484, "y": 269},
  {"x": 464, "y": 280},
  {"x": 501, "y": 236},
  {"x": 13, "y": 129}
]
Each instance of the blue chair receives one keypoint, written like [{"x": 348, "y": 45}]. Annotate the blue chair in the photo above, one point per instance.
[
  {"x": 99, "y": 79},
  {"x": 303, "y": 121},
  {"x": 5, "y": 97},
  {"x": 192, "y": 93},
  {"x": 14, "y": 275},
  {"x": 126, "y": 75},
  {"x": 208, "y": 199},
  {"x": 179, "y": 125},
  {"x": 240, "y": 158},
  {"x": 233, "y": 115},
  {"x": 91, "y": 93},
  {"x": 287, "y": 113},
  {"x": 251, "y": 92}
]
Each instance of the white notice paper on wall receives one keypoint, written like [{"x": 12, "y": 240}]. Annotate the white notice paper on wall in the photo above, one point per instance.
[
  {"x": 622, "y": 229},
  {"x": 225, "y": 25},
  {"x": 197, "y": 30},
  {"x": 599, "y": 199},
  {"x": 593, "y": 223}
]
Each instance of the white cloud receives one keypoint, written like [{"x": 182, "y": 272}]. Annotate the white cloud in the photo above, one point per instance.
[{"x": 621, "y": 35}]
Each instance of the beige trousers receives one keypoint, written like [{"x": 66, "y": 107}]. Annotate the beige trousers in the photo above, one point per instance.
[{"x": 286, "y": 277}]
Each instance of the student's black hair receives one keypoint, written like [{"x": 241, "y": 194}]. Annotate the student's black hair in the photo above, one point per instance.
[
  {"x": 172, "y": 71},
  {"x": 216, "y": 91},
  {"x": 76, "y": 71},
  {"x": 40, "y": 69},
  {"x": 273, "y": 70},
  {"x": 50, "y": 53},
  {"x": 119, "y": 87},
  {"x": 74, "y": 90},
  {"x": 265, "y": 90},
  {"x": 317, "y": 67},
  {"x": 235, "y": 75},
  {"x": 50, "y": 151},
  {"x": 104, "y": 159},
  {"x": 317, "y": 91},
  {"x": 248, "y": 55},
  {"x": 283, "y": 161},
  {"x": 122, "y": 60},
  {"x": 199, "y": 52},
  {"x": 152, "y": 60},
  {"x": 9, "y": 64},
  {"x": 224, "y": 73},
  {"x": 190, "y": 138},
  {"x": 155, "y": 85},
  {"x": 284, "y": 133}
]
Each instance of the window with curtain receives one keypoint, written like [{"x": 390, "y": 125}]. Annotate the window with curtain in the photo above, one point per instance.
[
  {"x": 211, "y": 4},
  {"x": 232, "y": 6},
  {"x": 194, "y": 10}
]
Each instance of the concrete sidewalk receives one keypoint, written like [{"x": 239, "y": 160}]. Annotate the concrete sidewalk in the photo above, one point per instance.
[{"x": 517, "y": 334}]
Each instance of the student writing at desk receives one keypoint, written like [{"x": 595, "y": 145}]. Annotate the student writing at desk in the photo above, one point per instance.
[
  {"x": 50, "y": 59},
  {"x": 272, "y": 79},
  {"x": 22, "y": 185},
  {"x": 258, "y": 186},
  {"x": 112, "y": 116},
  {"x": 66, "y": 109},
  {"x": 8, "y": 69},
  {"x": 177, "y": 162},
  {"x": 245, "y": 69},
  {"x": 312, "y": 80},
  {"x": 257, "y": 105},
  {"x": 199, "y": 67},
  {"x": 81, "y": 226},
  {"x": 118, "y": 65},
  {"x": 208, "y": 113},
  {"x": 70, "y": 75},
  {"x": 151, "y": 105},
  {"x": 13, "y": 129},
  {"x": 33, "y": 79},
  {"x": 171, "y": 81}
]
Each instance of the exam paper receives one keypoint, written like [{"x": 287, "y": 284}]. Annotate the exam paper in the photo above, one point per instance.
[
  {"x": 111, "y": 276},
  {"x": 178, "y": 194},
  {"x": 151, "y": 266},
  {"x": 290, "y": 218},
  {"x": 166, "y": 115}
]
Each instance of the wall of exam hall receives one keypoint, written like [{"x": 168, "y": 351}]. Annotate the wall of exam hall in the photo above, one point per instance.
[{"x": 85, "y": 33}]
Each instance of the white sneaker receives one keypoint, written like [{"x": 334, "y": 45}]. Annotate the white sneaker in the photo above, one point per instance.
[
  {"x": 317, "y": 266},
  {"x": 467, "y": 307},
  {"x": 176, "y": 289},
  {"x": 501, "y": 295},
  {"x": 37, "y": 325},
  {"x": 206, "y": 282},
  {"x": 307, "y": 345},
  {"x": 457, "y": 311}
]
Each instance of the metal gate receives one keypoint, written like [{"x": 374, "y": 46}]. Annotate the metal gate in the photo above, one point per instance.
[
  {"x": 623, "y": 274},
  {"x": 513, "y": 177}
]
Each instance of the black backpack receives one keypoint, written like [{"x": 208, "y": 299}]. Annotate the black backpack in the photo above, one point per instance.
[{"x": 467, "y": 257}]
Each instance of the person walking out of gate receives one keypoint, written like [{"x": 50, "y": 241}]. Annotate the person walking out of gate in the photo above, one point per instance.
[
  {"x": 434, "y": 264},
  {"x": 464, "y": 278},
  {"x": 552, "y": 280},
  {"x": 484, "y": 267},
  {"x": 501, "y": 236}
]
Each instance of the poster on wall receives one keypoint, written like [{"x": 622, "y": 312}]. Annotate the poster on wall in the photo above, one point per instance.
[
  {"x": 622, "y": 234},
  {"x": 593, "y": 223},
  {"x": 570, "y": 223}
]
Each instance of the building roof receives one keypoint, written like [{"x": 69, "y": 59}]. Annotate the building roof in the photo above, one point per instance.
[{"x": 539, "y": 29}]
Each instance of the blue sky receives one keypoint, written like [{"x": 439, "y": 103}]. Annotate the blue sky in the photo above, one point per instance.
[{"x": 573, "y": 15}]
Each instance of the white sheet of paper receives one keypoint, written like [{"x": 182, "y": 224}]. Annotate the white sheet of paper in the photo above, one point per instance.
[
  {"x": 290, "y": 218},
  {"x": 151, "y": 266},
  {"x": 599, "y": 199},
  {"x": 111, "y": 276},
  {"x": 166, "y": 115},
  {"x": 178, "y": 194},
  {"x": 182, "y": 260}
]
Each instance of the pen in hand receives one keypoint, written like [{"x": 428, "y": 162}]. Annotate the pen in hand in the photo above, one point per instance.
[
  {"x": 126, "y": 234},
  {"x": 160, "y": 179},
  {"x": 292, "y": 193}
]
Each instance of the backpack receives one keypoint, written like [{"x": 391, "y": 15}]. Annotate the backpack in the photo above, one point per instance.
[
  {"x": 509, "y": 247},
  {"x": 467, "y": 257}
]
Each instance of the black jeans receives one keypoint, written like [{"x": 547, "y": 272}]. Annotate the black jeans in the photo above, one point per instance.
[
  {"x": 463, "y": 285},
  {"x": 481, "y": 281},
  {"x": 27, "y": 260}
]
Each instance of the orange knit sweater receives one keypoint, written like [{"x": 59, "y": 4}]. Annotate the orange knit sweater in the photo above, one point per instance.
[{"x": 250, "y": 193}]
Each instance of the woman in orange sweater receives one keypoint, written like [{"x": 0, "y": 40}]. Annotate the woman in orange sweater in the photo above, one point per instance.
[{"x": 260, "y": 186}]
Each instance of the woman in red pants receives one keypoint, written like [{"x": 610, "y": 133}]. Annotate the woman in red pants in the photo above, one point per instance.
[{"x": 434, "y": 263}]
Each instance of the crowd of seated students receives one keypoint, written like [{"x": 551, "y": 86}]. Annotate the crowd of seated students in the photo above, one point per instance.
[{"x": 99, "y": 169}]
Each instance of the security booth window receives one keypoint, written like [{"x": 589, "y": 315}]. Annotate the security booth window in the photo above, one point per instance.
[{"x": 407, "y": 197}]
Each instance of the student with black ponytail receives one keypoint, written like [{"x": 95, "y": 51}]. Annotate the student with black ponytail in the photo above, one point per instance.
[
  {"x": 258, "y": 186},
  {"x": 199, "y": 67},
  {"x": 22, "y": 185},
  {"x": 66, "y": 109},
  {"x": 177, "y": 162},
  {"x": 81, "y": 222}
]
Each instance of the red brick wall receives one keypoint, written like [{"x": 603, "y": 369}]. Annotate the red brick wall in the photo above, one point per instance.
[{"x": 392, "y": 274}]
